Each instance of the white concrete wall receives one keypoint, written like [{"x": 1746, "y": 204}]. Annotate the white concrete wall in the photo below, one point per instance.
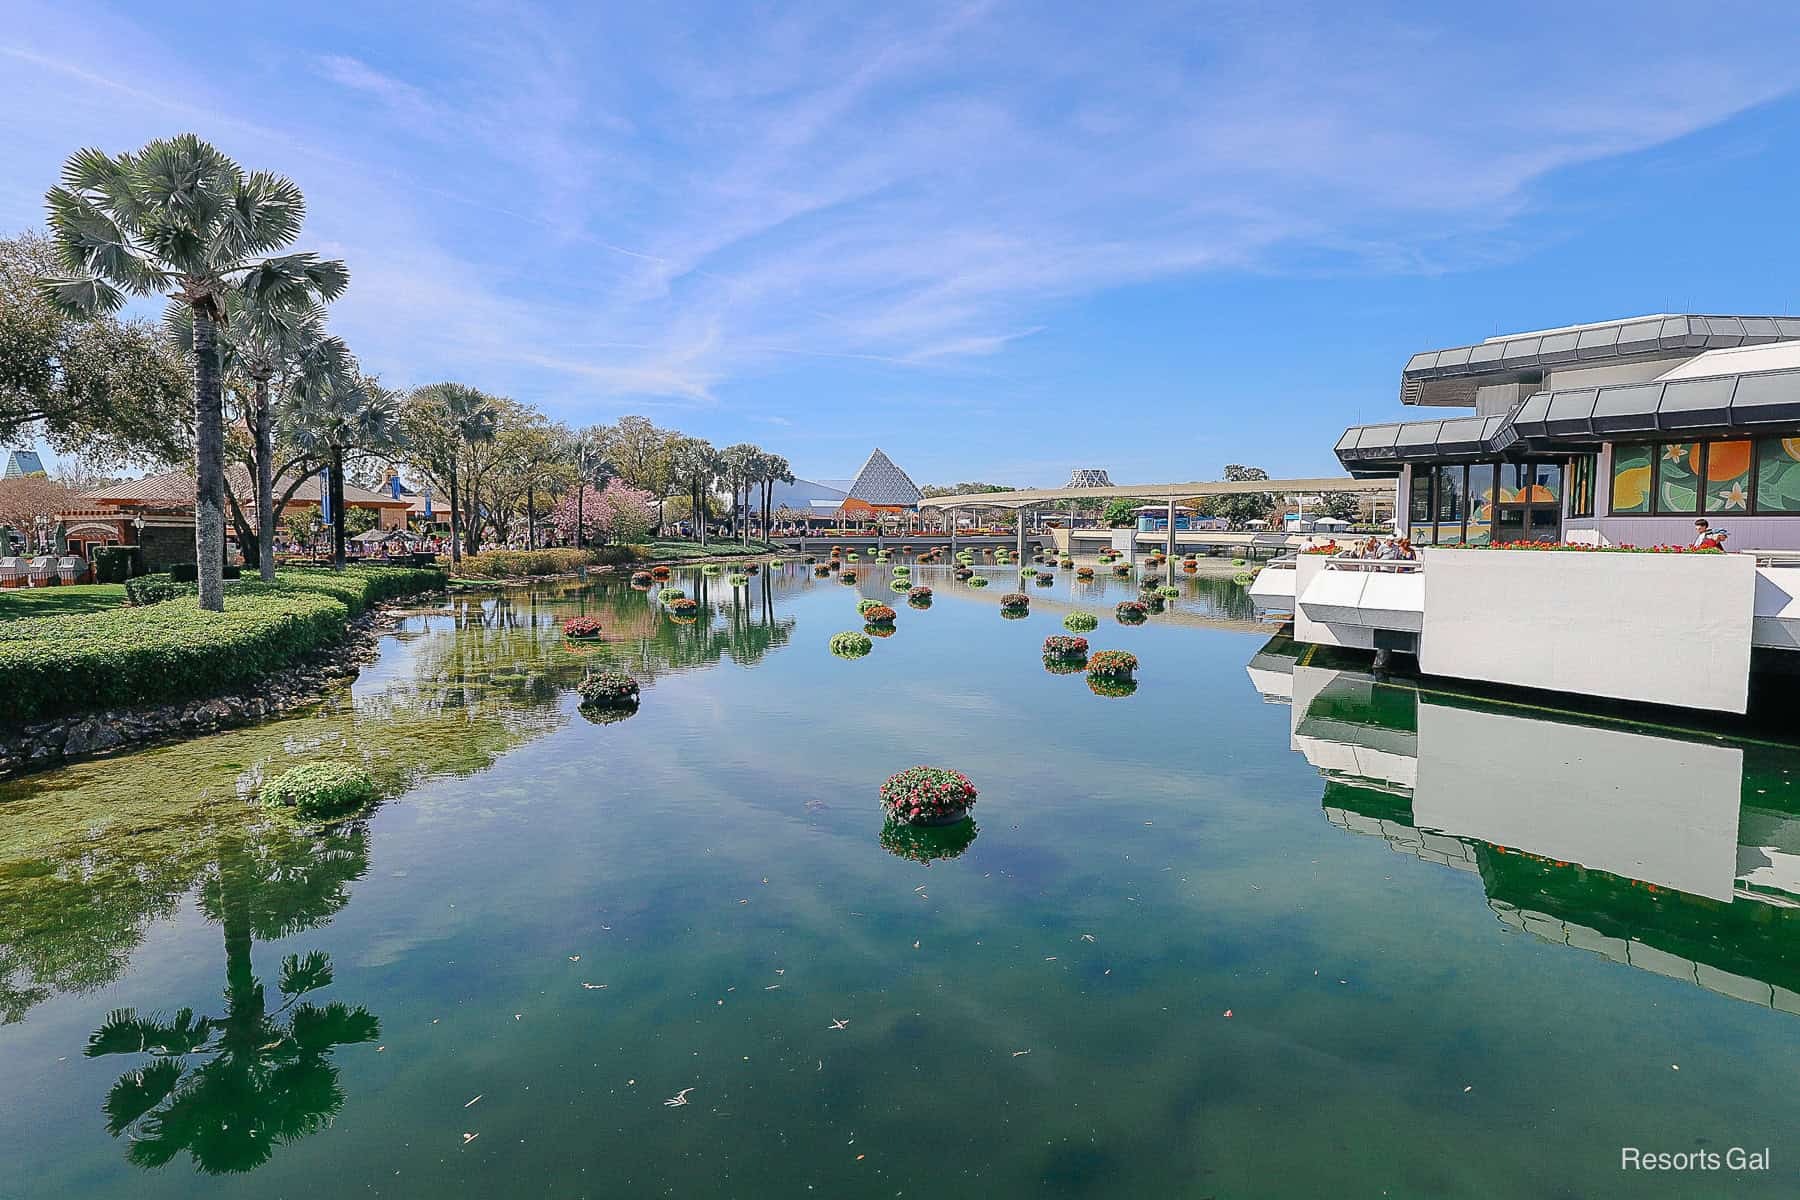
[
  {"x": 1665, "y": 629},
  {"x": 1306, "y": 629}
]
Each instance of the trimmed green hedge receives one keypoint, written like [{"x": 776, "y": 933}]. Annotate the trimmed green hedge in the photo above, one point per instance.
[
  {"x": 553, "y": 560},
  {"x": 170, "y": 651}
]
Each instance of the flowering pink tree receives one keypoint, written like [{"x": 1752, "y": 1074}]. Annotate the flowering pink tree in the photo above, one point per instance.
[{"x": 616, "y": 513}]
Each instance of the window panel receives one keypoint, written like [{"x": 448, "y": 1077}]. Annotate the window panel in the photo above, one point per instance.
[
  {"x": 1419, "y": 525},
  {"x": 1678, "y": 477},
  {"x": 1631, "y": 471},
  {"x": 1449, "y": 505},
  {"x": 1581, "y": 485},
  {"x": 1481, "y": 503},
  {"x": 1778, "y": 475},
  {"x": 1728, "y": 476}
]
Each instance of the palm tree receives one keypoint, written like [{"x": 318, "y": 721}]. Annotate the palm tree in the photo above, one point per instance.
[
  {"x": 695, "y": 464},
  {"x": 773, "y": 469},
  {"x": 740, "y": 464},
  {"x": 444, "y": 419},
  {"x": 259, "y": 342},
  {"x": 341, "y": 412},
  {"x": 181, "y": 219}
]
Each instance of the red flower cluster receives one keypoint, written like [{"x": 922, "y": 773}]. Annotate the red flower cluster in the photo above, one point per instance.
[
  {"x": 684, "y": 607},
  {"x": 1131, "y": 610},
  {"x": 919, "y": 593},
  {"x": 1116, "y": 663},
  {"x": 1574, "y": 547},
  {"x": 1061, "y": 645},
  {"x": 927, "y": 793},
  {"x": 581, "y": 628},
  {"x": 879, "y": 614},
  {"x": 659, "y": 572}
]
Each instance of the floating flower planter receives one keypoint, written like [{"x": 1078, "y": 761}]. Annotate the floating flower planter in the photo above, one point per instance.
[
  {"x": 878, "y": 614},
  {"x": 710, "y": 569},
  {"x": 1027, "y": 572},
  {"x": 1131, "y": 612},
  {"x": 899, "y": 585},
  {"x": 738, "y": 581},
  {"x": 671, "y": 593},
  {"x": 1167, "y": 592},
  {"x": 752, "y": 569},
  {"x": 1065, "y": 563},
  {"x": 977, "y": 581},
  {"x": 919, "y": 597},
  {"x": 1117, "y": 664},
  {"x": 641, "y": 579},
  {"x": 851, "y": 644},
  {"x": 1061, "y": 645},
  {"x": 927, "y": 844},
  {"x": 684, "y": 610},
  {"x": 1081, "y": 622},
  {"x": 1122, "y": 570},
  {"x": 608, "y": 689},
  {"x": 847, "y": 576},
  {"x": 865, "y": 604},
  {"x": 821, "y": 571},
  {"x": 1190, "y": 567},
  {"x": 1084, "y": 572},
  {"x": 1044, "y": 580},
  {"x": 1237, "y": 562},
  {"x": 1015, "y": 600},
  {"x": 581, "y": 629},
  {"x": 903, "y": 569},
  {"x": 1243, "y": 579},
  {"x": 1014, "y": 614},
  {"x": 659, "y": 572},
  {"x": 811, "y": 559},
  {"x": 927, "y": 796},
  {"x": 321, "y": 789},
  {"x": 879, "y": 631}
]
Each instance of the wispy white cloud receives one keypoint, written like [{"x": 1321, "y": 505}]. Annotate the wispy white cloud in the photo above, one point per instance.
[{"x": 612, "y": 205}]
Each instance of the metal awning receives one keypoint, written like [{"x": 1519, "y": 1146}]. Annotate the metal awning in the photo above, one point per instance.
[
  {"x": 1594, "y": 343},
  {"x": 1376, "y": 447},
  {"x": 1717, "y": 404}
]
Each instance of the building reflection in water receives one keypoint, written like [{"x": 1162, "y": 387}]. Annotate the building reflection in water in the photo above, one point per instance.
[{"x": 1671, "y": 851}]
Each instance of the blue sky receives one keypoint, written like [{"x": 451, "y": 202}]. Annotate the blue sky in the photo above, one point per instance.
[{"x": 998, "y": 239}]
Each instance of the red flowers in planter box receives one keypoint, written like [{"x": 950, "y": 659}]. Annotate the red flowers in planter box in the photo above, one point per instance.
[
  {"x": 581, "y": 628},
  {"x": 927, "y": 794}
]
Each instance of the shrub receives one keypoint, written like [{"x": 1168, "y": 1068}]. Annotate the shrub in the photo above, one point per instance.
[
  {"x": 683, "y": 607},
  {"x": 1081, "y": 622},
  {"x": 320, "y": 789},
  {"x": 581, "y": 628},
  {"x": 1015, "y": 600},
  {"x": 1118, "y": 663},
  {"x": 114, "y": 564},
  {"x": 851, "y": 644},
  {"x": 607, "y": 689},
  {"x": 167, "y": 649},
  {"x": 1061, "y": 645},
  {"x": 1167, "y": 592},
  {"x": 879, "y": 614},
  {"x": 152, "y": 589},
  {"x": 927, "y": 794},
  {"x": 184, "y": 572},
  {"x": 865, "y": 604},
  {"x": 738, "y": 580},
  {"x": 919, "y": 593},
  {"x": 669, "y": 594},
  {"x": 977, "y": 581},
  {"x": 1131, "y": 612}
]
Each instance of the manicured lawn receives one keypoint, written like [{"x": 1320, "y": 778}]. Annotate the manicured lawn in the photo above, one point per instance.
[{"x": 59, "y": 601}]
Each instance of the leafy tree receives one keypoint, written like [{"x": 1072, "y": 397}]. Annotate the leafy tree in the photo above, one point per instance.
[
  {"x": 1341, "y": 505},
  {"x": 1120, "y": 513},
  {"x": 1249, "y": 506},
  {"x": 617, "y": 513},
  {"x": 962, "y": 489},
  {"x": 179, "y": 218},
  {"x": 640, "y": 452},
  {"x": 25, "y": 498},
  {"x": 108, "y": 391}
]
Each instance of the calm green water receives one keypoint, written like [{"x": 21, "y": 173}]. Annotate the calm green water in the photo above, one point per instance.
[{"x": 1260, "y": 929}]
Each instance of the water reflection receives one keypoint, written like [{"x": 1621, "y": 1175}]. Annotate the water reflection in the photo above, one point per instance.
[
  {"x": 1672, "y": 851},
  {"x": 928, "y": 844},
  {"x": 228, "y": 1089}
]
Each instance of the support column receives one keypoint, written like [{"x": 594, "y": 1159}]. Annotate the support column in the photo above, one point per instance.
[
  {"x": 950, "y": 524},
  {"x": 1019, "y": 530},
  {"x": 1171, "y": 540}
]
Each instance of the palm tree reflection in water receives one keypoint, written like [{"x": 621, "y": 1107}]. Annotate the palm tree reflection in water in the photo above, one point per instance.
[{"x": 229, "y": 1089}]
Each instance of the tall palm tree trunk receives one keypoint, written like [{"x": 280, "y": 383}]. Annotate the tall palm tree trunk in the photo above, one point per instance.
[
  {"x": 209, "y": 464},
  {"x": 455, "y": 520},
  {"x": 265, "y": 484},
  {"x": 337, "y": 508}
]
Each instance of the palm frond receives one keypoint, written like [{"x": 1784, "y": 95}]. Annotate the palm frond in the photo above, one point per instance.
[
  {"x": 138, "y": 1092},
  {"x": 302, "y": 975},
  {"x": 82, "y": 297},
  {"x": 264, "y": 214}
]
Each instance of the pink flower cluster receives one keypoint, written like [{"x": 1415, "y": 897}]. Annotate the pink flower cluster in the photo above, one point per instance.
[{"x": 926, "y": 793}]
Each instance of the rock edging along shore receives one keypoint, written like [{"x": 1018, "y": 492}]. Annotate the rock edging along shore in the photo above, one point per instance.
[{"x": 45, "y": 744}]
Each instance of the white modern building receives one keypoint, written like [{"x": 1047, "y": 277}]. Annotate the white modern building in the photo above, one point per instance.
[{"x": 1613, "y": 435}]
